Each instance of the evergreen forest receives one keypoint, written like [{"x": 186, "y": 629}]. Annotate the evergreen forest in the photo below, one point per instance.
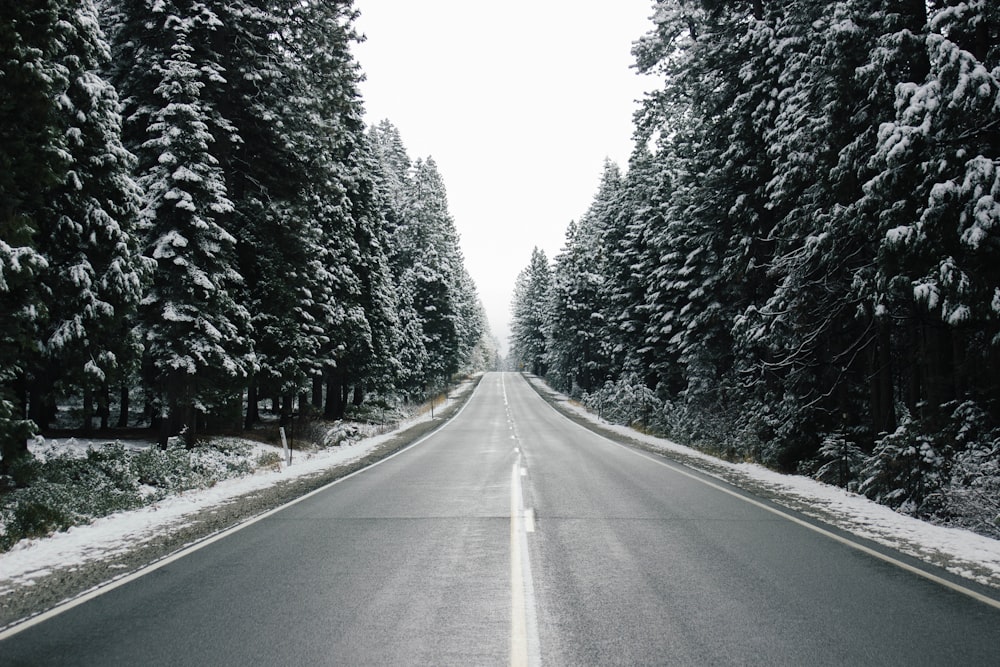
[
  {"x": 801, "y": 264},
  {"x": 194, "y": 218}
]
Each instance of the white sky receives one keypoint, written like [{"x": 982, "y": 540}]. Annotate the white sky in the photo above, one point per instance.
[{"x": 519, "y": 103}]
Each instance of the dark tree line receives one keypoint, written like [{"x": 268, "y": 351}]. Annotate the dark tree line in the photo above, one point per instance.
[
  {"x": 195, "y": 218},
  {"x": 802, "y": 264}
]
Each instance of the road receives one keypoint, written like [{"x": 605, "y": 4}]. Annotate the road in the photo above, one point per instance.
[{"x": 513, "y": 536}]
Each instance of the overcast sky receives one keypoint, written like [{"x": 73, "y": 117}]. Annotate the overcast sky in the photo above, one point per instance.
[{"x": 518, "y": 102}]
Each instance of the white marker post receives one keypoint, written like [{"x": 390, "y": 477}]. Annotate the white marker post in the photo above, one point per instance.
[{"x": 284, "y": 446}]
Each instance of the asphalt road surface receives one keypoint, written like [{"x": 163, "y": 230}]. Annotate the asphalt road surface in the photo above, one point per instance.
[{"x": 513, "y": 536}]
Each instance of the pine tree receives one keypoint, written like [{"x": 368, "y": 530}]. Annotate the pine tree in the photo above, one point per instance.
[
  {"x": 630, "y": 265},
  {"x": 393, "y": 183},
  {"x": 473, "y": 327},
  {"x": 812, "y": 341},
  {"x": 313, "y": 245},
  {"x": 441, "y": 324},
  {"x": 433, "y": 271},
  {"x": 530, "y": 316},
  {"x": 94, "y": 273},
  {"x": 68, "y": 215},
  {"x": 32, "y": 162},
  {"x": 269, "y": 100},
  {"x": 581, "y": 319},
  {"x": 368, "y": 359},
  {"x": 197, "y": 335},
  {"x": 713, "y": 235},
  {"x": 937, "y": 166},
  {"x": 394, "y": 169}
]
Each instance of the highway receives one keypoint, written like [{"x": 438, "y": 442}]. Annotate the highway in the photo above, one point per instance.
[{"x": 514, "y": 536}]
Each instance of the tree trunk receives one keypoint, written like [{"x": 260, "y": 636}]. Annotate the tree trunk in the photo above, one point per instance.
[
  {"x": 336, "y": 398},
  {"x": 170, "y": 422},
  {"x": 123, "y": 405},
  {"x": 164, "y": 425},
  {"x": 881, "y": 383},
  {"x": 359, "y": 395},
  {"x": 959, "y": 352},
  {"x": 104, "y": 405},
  {"x": 189, "y": 419},
  {"x": 253, "y": 409},
  {"x": 317, "y": 393},
  {"x": 41, "y": 403},
  {"x": 911, "y": 365},
  {"x": 152, "y": 394},
  {"x": 88, "y": 410},
  {"x": 936, "y": 370}
]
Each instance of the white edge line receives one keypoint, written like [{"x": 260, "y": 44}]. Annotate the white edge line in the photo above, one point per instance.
[
  {"x": 106, "y": 587},
  {"x": 676, "y": 467}
]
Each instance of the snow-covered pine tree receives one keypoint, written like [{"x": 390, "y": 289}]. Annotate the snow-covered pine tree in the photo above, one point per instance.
[
  {"x": 32, "y": 162},
  {"x": 937, "y": 168},
  {"x": 473, "y": 327},
  {"x": 630, "y": 267},
  {"x": 529, "y": 313},
  {"x": 197, "y": 335},
  {"x": 267, "y": 99},
  {"x": 287, "y": 99},
  {"x": 611, "y": 223},
  {"x": 485, "y": 355},
  {"x": 70, "y": 274},
  {"x": 932, "y": 199},
  {"x": 394, "y": 169},
  {"x": 393, "y": 183},
  {"x": 19, "y": 264},
  {"x": 814, "y": 342},
  {"x": 663, "y": 286},
  {"x": 718, "y": 63},
  {"x": 580, "y": 335},
  {"x": 439, "y": 315},
  {"x": 94, "y": 274},
  {"x": 429, "y": 250},
  {"x": 361, "y": 353}
]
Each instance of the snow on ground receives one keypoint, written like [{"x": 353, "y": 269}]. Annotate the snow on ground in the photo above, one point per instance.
[
  {"x": 959, "y": 551},
  {"x": 117, "y": 533},
  {"x": 41, "y": 448}
]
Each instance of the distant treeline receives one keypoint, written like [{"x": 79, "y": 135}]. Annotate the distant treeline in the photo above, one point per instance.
[
  {"x": 802, "y": 264},
  {"x": 193, "y": 216}
]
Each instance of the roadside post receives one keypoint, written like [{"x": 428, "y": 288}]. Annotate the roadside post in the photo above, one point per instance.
[
  {"x": 284, "y": 446},
  {"x": 287, "y": 417}
]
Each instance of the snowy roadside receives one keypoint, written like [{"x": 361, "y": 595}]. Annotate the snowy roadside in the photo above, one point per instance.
[
  {"x": 120, "y": 543},
  {"x": 961, "y": 552}
]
